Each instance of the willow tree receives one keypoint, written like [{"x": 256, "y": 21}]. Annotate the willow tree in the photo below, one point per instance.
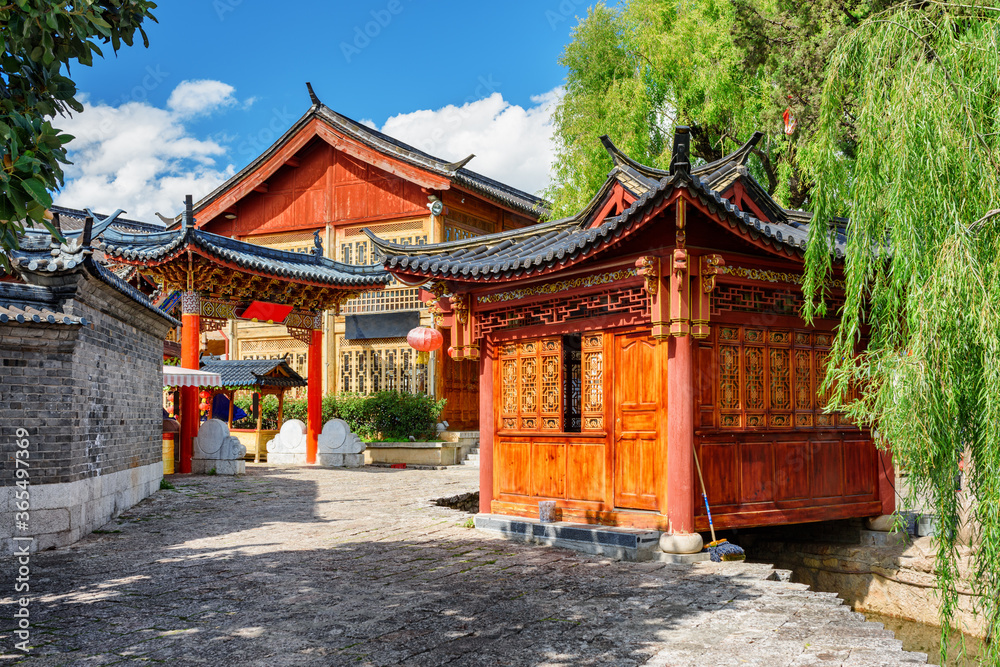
[
  {"x": 726, "y": 68},
  {"x": 922, "y": 268}
]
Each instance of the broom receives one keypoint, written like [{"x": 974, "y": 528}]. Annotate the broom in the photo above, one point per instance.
[{"x": 718, "y": 550}]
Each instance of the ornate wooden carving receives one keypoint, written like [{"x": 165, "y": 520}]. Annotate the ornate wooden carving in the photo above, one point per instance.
[
  {"x": 632, "y": 300},
  {"x": 649, "y": 268},
  {"x": 770, "y": 377},
  {"x": 211, "y": 323},
  {"x": 531, "y": 385}
]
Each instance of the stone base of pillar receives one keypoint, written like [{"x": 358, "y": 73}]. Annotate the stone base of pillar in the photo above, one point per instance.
[
  {"x": 681, "y": 543},
  {"x": 882, "y": 523}
]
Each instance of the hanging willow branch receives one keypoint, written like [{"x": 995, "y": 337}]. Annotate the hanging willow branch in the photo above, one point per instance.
[{"x": 922, "y": 265}]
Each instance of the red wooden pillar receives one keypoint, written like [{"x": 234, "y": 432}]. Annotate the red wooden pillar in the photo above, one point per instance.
[
  {"x": 487, "y": 426},
  {"x": 190, "y": 353},
  {"x": 314, "y": 410},
  {"x": 680, "y": 435}
]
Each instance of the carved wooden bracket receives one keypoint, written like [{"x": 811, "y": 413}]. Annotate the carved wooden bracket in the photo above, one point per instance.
[
  {"x": 463, "y": 342},
  {"x": 709, "y": 267},
  {"x": 649, "y": 268}
]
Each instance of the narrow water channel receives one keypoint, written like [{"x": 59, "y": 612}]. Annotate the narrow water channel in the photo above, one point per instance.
[{"x": 927, "y": 639}]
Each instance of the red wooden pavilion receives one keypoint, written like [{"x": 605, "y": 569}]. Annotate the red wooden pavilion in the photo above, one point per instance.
[
  {"x": 222, "y": 278},
  {"x": 660, "y": 321}
]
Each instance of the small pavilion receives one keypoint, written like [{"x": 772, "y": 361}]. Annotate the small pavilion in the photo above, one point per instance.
[
  {"x": 221, "y": 279},
  {"x": 263, "y": 377}
]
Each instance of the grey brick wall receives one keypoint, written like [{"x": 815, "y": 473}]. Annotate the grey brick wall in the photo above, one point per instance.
[{"x": 89, "y": 396}]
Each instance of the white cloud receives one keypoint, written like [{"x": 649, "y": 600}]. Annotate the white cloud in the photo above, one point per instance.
[
  {"x": 512, "y": 144},
  {"x": 143, "y": 158},
  {"x": 191, "y": 98}
]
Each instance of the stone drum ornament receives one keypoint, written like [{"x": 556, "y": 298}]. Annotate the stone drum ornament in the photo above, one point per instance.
[
  {"x": 215, "y": 449},
  {"x": 289, "y": 446},
  {"x": 338, "y": 447}
]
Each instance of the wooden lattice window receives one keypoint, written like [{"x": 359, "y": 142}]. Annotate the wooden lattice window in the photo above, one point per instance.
[
  {"x": 531, "y": 380},
  {"x": 300, "y": 242},
  {"x": 380, "y": 364},
  {"x": 768, "y": 378},
  {"x": 592, "y": 381},
  {"x": 356, "y": 248},
  {"x": 552, "y": 384}
]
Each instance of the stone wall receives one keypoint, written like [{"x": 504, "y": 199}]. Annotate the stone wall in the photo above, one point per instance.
[
  {"x": 886, "y": 573},
  {"x": 89, "y": 397}
]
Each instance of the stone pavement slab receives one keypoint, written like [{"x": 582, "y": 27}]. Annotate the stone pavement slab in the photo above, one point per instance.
[{"x": 305, "y": 566}]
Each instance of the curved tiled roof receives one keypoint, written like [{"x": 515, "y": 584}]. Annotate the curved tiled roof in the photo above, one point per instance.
[
  {"x": 54, "y": 259},
  {"x": 21, "y": 304},
  {"x": 282, "y": 264},
  {"x": 73, "y": 218},
  {"x": 538, "y": 248},
  {"x": 383, "y": 143},
  {"x": 253, "y": 372}
]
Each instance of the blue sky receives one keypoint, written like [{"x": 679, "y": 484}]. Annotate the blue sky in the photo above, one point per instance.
[{"x": 223, "y": 78}]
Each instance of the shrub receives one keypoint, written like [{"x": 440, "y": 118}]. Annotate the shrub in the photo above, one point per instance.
[
  {"x": 387, "y": 415},
  {"x": 397, "y": 416}
]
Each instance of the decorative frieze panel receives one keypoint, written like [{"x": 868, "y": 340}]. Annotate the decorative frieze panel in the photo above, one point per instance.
[
  {"x": 591, "y": 280},
  {"x": 632, "y": 300}
]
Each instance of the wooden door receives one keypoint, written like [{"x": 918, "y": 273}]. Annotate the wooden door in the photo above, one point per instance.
[{"x": 637, "y": 401}]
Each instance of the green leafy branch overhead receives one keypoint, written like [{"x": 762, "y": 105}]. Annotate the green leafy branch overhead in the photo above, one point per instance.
[{"x": 41, "y": 40}]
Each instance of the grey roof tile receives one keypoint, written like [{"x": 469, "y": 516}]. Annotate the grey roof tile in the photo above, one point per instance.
[
  {"x": 253, "y": 372},
  {"x": 259, "y": 259}
]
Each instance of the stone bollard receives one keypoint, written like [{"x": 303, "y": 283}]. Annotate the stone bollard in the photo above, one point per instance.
[{"x": 215, "y": 449}]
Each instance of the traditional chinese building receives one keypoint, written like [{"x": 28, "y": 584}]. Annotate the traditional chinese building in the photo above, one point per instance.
[
  {"x": 662, "y": 320},
  {"x": 325, "y": 180}
]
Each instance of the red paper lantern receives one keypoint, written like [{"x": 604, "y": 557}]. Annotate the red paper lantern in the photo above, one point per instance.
[
  {"x": 205, "y": 394},
  {"x": 425, "y": 339}
]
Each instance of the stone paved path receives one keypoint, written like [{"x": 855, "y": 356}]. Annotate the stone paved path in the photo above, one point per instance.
[{"x": 301, "y": 566}]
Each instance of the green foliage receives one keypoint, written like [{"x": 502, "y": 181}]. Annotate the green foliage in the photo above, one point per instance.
[
  {"x": 397, "y": 416},
  {"x": 165, "y": 485},
  {"x": 41, "y": 39},
  {"x": 388, "y": 415},
  {"x": 922, "y": 267},
  {"x": 724, "y": 68}
]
